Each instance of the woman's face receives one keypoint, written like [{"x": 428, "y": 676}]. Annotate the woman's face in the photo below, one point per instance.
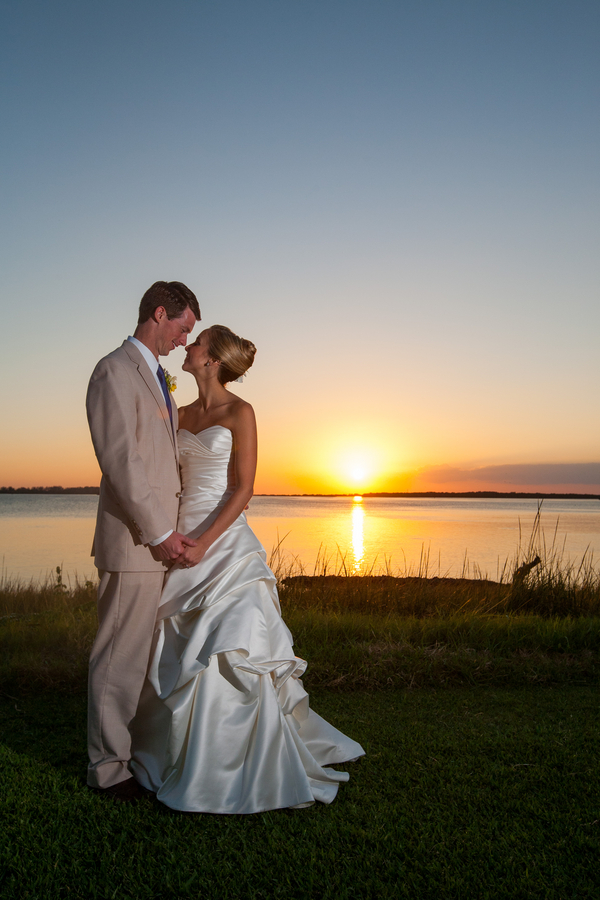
[{"x": 196, "y": 354}]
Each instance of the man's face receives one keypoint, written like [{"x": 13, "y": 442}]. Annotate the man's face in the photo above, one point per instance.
[{"x": 173, "y": 332}]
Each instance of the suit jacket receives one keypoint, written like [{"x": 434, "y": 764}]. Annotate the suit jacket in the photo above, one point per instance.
[{"x": 137, "y": 452}]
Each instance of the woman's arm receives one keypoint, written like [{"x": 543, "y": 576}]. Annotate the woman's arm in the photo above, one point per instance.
[{"x": 243, "y": 427}]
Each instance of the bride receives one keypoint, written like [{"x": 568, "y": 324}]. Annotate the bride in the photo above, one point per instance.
[{"x": 224, "y": 724}]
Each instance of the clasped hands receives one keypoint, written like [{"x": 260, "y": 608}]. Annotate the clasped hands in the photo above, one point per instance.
[{"x": 178, "y": 550}]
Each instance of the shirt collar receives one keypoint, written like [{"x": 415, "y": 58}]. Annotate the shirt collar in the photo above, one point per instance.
[{"x": 146, "y": 353}]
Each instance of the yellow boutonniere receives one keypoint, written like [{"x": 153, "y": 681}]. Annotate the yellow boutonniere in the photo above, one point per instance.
[{"x": 171, "y": 381}]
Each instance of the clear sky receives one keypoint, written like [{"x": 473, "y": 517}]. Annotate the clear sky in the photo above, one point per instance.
[{"x": 398, "y": 202}]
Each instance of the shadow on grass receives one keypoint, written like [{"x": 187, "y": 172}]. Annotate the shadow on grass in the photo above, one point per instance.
[
  {"x": 463, "y": 792},
  {"x": 48, "y": 728}
]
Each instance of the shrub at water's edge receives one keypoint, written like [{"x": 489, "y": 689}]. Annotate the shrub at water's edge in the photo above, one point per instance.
[{"x": 441, "y": 597}]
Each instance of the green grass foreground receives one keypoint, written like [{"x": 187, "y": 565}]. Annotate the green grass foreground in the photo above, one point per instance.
[{"x": 464, "y": 793}]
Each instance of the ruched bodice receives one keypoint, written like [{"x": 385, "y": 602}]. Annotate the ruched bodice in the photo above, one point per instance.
[
  {"x": 207, "y": 478},
  {"x": 205, "y": 460},
  {"x": 224, "y": 723}
]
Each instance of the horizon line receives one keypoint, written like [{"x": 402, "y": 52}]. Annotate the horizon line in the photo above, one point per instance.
[{"x": 92, "y": 490}]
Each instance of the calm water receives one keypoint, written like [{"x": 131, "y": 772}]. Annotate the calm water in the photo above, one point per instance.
[{"x": 39, "y": 532}]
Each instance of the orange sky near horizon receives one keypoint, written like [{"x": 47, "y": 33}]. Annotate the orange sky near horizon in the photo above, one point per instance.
[
  {"x": 357, "y": 436},
  {"x": 298, "y": 456}
]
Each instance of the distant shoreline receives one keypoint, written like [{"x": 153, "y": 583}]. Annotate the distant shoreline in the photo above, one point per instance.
[
  {"x": 55, "y": 489},
  {"x": 465, "y": 495},
  {"x": 458, "y": 495}
]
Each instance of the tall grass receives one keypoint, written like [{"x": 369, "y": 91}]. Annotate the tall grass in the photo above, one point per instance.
[
  {"x": 343, "y": 628},
  {"x": 19, "y": 599},
  {"x": 46, "y": 631}
]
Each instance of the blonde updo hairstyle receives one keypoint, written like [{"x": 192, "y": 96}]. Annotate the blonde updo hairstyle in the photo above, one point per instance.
[{"x": 235, "y": 354}]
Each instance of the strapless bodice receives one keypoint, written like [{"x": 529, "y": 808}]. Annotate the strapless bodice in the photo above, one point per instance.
[{"x": 204, "y": 460}]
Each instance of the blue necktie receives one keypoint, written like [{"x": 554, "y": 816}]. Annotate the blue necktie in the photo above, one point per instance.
[{"x": 165, "y": 390}]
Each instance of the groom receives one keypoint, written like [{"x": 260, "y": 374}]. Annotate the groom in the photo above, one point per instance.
[{"x": 133, "y": 425}]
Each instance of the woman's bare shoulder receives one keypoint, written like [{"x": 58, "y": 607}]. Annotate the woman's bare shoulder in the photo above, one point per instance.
[
  {"x": 184, "y": 412},
  {"x": 236, "y": 403},
  {"x": 240, "y": 410}
]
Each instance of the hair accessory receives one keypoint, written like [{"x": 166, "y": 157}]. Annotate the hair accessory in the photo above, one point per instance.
[{"x": 240, "y": 380}]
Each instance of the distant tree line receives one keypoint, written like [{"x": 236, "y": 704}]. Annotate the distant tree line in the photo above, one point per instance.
[
  {"x": 462, "y": 495},
  {"x": 476, "y": 495},
  {"x": 55, "y": 489},
  {"x": 490, "y": 495}
]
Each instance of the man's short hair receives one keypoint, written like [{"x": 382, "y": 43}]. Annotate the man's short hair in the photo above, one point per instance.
[{"x": 173, "y": 295}]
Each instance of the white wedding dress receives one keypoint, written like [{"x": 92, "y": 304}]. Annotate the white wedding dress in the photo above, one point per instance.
[{"x": 224, "y": 724}]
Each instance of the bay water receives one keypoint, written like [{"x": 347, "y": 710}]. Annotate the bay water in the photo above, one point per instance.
[{"x": 433, "y": 536}]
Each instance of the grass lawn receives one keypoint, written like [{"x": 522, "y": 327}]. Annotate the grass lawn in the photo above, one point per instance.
[{"x": 465, "y": 792}]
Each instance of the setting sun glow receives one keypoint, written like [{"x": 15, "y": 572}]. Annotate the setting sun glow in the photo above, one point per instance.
[
  {"x": 357, "y": 469},
  {"x": 358, "y": 466}
]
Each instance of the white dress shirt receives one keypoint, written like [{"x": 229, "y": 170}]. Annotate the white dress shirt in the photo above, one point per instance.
[
  {"x": 153, "y": 366},
  {"x": 149, "y": 357}
]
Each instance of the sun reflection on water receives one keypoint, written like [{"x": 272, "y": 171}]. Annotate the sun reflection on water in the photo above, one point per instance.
[{"x": 358, "y": 545}]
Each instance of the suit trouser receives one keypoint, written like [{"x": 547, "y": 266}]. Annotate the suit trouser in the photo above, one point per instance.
[{"x": 127, "y": 606}]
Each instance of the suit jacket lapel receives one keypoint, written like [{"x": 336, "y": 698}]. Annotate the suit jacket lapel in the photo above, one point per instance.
[
  {"x": 175, "y": 426},
  {"x": 150, "y": 381}
]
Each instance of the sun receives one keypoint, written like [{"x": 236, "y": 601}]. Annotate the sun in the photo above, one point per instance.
[
  {"x": 355, "y": 460},
  {"x": 358, "y": 473},
  {"x": 358, "y": 469}
]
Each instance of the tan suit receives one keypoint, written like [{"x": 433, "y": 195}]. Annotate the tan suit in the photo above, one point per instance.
[{"x": 139, "y": 498}]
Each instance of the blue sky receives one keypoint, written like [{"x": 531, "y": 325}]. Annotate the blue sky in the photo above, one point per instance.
[{"x": 396, "y": 201}]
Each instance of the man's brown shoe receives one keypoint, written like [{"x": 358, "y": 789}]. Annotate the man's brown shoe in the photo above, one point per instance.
[{"x": 128, "y": 791}]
